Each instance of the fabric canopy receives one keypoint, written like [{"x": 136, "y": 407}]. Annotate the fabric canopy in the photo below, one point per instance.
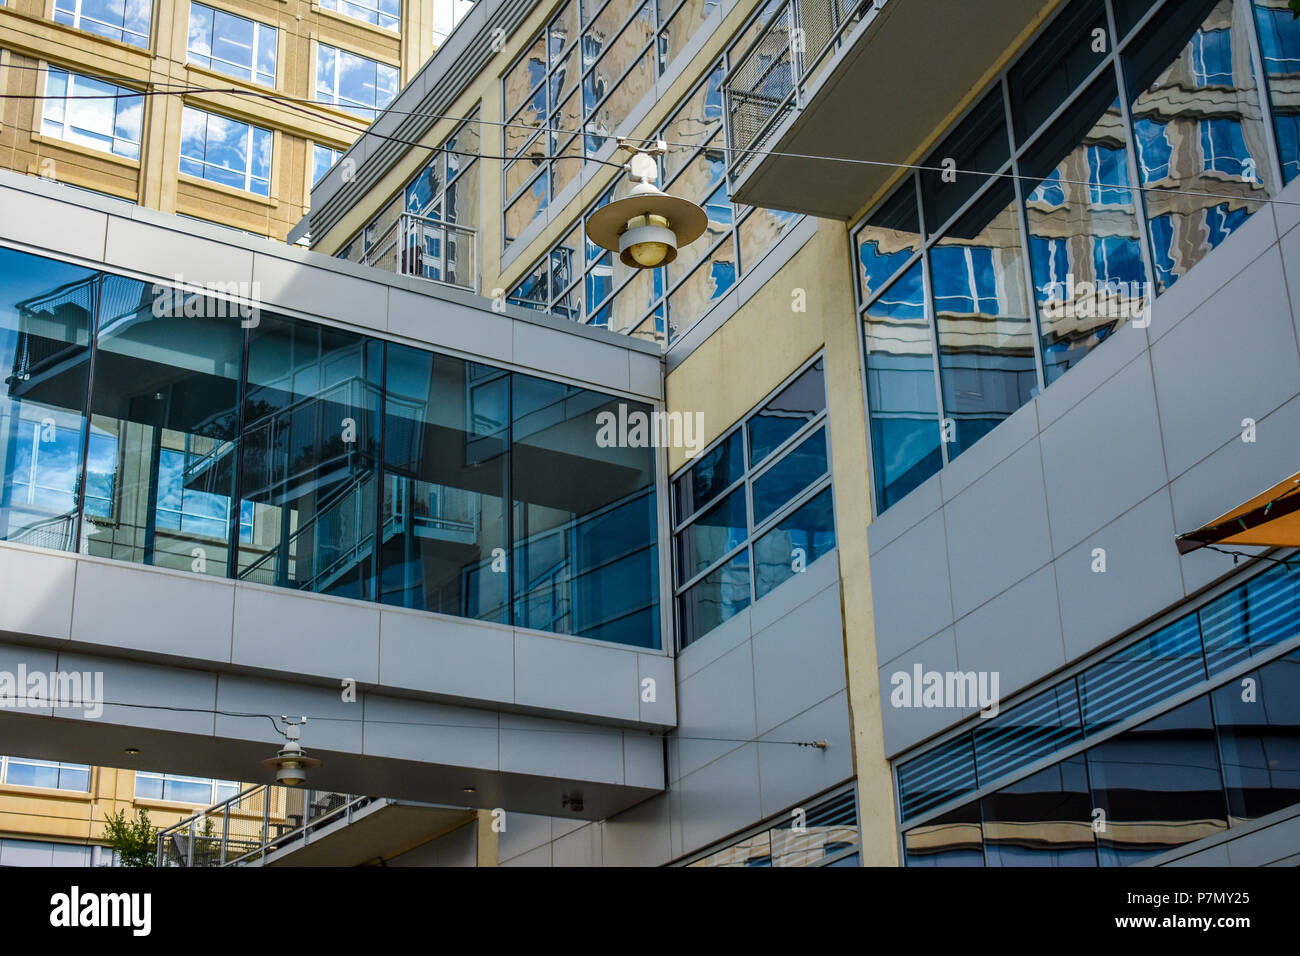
[{"x": 1270, "y": 519}]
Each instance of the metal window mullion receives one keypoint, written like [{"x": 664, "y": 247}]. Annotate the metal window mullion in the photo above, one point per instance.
[
  {"x": 1136, "y": 193},
  {"x": 716, "y": 498},
  {"x": 1031, "y": 299},
  {"x": 1263, "y": 92},
  {"x": 812, "y": 490},
  {"x": 932, "y": 323}
]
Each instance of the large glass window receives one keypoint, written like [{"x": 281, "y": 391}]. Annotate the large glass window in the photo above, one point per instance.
[
  {"x": 986, "y": 351},
  {"x": 361, "y": 469},
  {"x": 1152, "y": 787},
  {"x": 1191, "y": 83},
  {"x": 1158, "y": 785},
  {"x": 1279, "y": 37},
  {"x": 441, "y": 205},
  {"x": 126, "y": 21},
  {"x": 46, "y": 320},
  {"x": 656, "y": 304},
  {"x": 309, "y": 456},
  {"x": 1084, "y": 244},
  {"x": 226, "y": 151},
  {"x": 200, "y": 791},
  {"x": 778, "y": 507},
  {"x": 165, "y": 428},
  {"x": 353, "y": 82},
  {"x": 1103, "y": 170},
  {"x": 29, "y": 772},
  {"x": 92, "y": 113},
  {"x": 1258, "y": 717},
  {"x": 586, "y": 554},
  {"x": 1043, "y": 820},
  {"x": 443, "y": 536},
  {"x": 382, "y": 13},
  {"x": 232, "y": 44}
]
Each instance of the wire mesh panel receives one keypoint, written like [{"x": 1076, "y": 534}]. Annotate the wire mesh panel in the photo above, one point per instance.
[{"x": 760, "y": 89}]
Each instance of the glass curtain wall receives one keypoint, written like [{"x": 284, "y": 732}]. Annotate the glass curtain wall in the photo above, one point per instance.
[
  {"x": 1228, "y": 756},
  {"x": 135, "y": 417},
  {"x": 1100, "y": 167}
]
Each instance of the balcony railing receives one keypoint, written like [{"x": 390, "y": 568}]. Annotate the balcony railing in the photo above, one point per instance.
[
  {"x": 248, "y": 828},
  {"x": 771, "y": 79},
  {"x": 428, "y": 249}
]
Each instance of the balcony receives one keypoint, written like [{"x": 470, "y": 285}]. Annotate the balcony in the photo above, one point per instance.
[
  {"x": 271, "y": 825},
  {"x": 427, "y": 249},
  {"x": 866, "y": 80}
]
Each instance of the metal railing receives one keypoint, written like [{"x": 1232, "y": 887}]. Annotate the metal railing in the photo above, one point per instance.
[
  {"x": 770, "y": 80},
  {"x": 428, "y": 249},
  {"x": 248, "y": 828}
]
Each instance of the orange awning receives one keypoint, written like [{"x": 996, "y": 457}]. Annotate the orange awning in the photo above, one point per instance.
[{"x": 1270, "y": 519}]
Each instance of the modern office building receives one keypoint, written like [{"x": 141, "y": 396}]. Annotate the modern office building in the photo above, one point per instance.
[
  {"x": 809, "y": 547},
  {"x": 232, "y": 157}
]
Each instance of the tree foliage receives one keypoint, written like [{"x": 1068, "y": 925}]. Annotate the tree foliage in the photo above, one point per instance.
[{"x": 136, "y": 841}]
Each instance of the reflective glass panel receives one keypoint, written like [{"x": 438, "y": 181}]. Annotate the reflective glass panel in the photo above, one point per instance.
[
  {"x": 1158, "y": 785},
  {"x": 795, "y": 542},
  {"x": 794, "y": 406},
  {"x": 443, "y": 539},
  {"x": 46, "y": 317},
  {"x": 1258, "y": 717},
  {"x": 1083, "y": 234},
  {"x": 1042, "y": 820},
  {"x": 309, "y": 457},
  {"x": 585, "y": 530},
  {"x": 1196, "y": 118},
  {"x": 986, "y": 347},
  {"x": 901, "y": 402},
  {"x": 717, "y": 597},
  {"x": 166, "y": 403}
]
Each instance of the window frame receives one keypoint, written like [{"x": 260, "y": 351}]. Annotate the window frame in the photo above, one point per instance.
[
  {"x": 352, "y": 108},
  {"x": 258, "y": 32},
  {"x": 749, "y": 474},
  {"x": 121, "y": 103},
  {"x": 1111, "y": 63},
  {"x": 249, "y": 147}
]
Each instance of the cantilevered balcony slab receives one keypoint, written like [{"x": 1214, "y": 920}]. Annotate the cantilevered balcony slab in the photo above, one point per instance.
[{"x": 873, "y": 82}]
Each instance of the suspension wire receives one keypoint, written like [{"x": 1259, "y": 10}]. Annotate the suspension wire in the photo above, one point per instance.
[{"x": 293, "y": 102}]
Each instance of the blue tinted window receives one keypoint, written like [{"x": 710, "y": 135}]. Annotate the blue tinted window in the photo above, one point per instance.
[
  {"x": 716, "y": 469},
  {"x": 719, "y": 596},
  {"x": 715, "y": 532},
  {"x": 798, "y": 403},
  {"x": 1141, "y": 675},
  {"x": 46, "y": 316},
  {"x": 800, "y": 467},
  {"x": 585, "y": 550},
  {"x": 1158, "y": 785},
  {"x": 1259, "y": 737},
  {"x": 901, "y": 402},
  {"x": 937, "y": 776},
  {"x": 794, "y": 543},
  {"x": 1251, "y": 618},
  {"x": 1223, "y": 147}
]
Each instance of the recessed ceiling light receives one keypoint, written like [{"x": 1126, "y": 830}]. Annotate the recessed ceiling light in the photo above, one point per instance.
[
  {"x": 468, "y": 789},
  {"x": 132, "y": 751}
]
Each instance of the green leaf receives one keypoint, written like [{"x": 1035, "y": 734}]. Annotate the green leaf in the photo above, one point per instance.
[{"x": 1295, "y": 9}]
